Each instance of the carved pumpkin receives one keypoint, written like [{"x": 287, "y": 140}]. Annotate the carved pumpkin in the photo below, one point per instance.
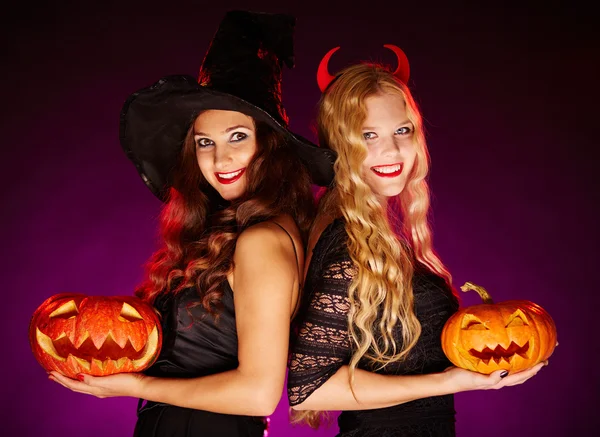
[
  {"x": 95, "y": 335},
  {"x": 514, "y": 335}
]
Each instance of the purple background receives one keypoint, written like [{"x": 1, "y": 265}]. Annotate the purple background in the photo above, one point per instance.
[{"x": 509, "y": 97}]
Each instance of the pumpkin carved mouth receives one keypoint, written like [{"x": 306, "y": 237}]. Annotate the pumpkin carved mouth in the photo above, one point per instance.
[
  {"x": 108, "y": 351},
  {"x": 499, "y": 353}
]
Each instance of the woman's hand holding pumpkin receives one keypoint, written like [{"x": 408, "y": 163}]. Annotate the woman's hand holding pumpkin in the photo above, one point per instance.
[
  {"x": 122, "y": 384},
  {"x": 465, "y": 380}
]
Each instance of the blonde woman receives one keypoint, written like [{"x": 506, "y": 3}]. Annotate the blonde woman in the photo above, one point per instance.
[{"x": 376, "y": 294}]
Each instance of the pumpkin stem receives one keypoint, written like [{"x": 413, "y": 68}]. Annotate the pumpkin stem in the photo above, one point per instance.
[{"x": 485, "y": 296}]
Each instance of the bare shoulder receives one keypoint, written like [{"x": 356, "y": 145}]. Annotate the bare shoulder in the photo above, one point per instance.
[{"x": 270, "y": 237}]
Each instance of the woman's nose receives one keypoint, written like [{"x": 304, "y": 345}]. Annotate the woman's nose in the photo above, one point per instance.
[{"x": 222, "y": 156}]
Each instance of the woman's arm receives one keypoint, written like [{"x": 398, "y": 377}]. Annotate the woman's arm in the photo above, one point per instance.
[
  {"x": 380, "y": 391},
  {"x": 264, "y": 276}
]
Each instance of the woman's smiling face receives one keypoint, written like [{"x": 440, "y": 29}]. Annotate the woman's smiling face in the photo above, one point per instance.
[
  {"x": 225, "y": 144},
  {"x": 389, "y": 138}
]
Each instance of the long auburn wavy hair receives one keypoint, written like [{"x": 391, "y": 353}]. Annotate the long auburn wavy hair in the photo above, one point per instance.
[
  {"x": 199, "y": 229},
  {"x": 383, "y": 246}
]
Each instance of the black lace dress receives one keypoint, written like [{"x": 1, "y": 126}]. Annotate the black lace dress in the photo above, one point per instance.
[{"x": 323, "y": 344}]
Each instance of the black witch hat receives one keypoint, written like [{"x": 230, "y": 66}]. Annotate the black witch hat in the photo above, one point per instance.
[{"x": 241, "y": 72}]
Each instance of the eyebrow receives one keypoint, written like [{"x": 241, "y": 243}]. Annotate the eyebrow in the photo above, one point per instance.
[
  {"x": 399, "y": 124},
  {"x": 229, "y": 129}
]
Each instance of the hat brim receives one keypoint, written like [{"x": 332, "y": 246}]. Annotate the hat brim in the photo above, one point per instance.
[{"x": 155, "y": 120}]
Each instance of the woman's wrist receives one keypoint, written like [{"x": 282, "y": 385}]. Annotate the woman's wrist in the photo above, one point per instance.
[
  {"x": 140, "y": 388},
  {"x": 449, "y": 382}
]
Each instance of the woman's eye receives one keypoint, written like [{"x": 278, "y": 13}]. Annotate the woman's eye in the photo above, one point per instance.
[
  {"x": 403, "y": 130},
  {"x": 238, "y": 136},
  {"x": 204, "y": 142},
  {"x": 369, "y": 135}
]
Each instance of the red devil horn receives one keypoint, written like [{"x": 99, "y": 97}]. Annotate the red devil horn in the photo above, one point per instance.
[
  {"x": 323, "y": 76},
  {"x": 403, "y": 70}
]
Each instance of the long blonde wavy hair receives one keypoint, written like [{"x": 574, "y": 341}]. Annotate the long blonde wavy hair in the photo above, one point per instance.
[{"x": 383, "y": 245}]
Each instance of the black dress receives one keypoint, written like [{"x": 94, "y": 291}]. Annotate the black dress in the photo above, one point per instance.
[
  {"x": 194, "y": 344},
  {"x": 323, "y": 344}
]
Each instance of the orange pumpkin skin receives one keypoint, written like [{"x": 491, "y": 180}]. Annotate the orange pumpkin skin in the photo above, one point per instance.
[
  {"x": 95, "y": 335},
  {"x": 514, "y": 335}
]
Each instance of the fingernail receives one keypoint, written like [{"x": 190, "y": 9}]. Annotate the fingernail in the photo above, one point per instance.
[
  {"x": 503, "y": 374},
  {"x": 80, "y": 376}
]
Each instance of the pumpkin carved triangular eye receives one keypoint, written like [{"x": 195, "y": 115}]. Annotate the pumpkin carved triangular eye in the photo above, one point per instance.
[
  {"x": 470, "y": 322},
  {"x": 129, "y": 313},
  {"x": 517, "y": 318},
  {"x": 65, "y": 311}
]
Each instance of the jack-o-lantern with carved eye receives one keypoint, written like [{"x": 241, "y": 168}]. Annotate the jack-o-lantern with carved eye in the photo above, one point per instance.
[
  {"x": 95, "y": 335},
  {"x": 513, "y": 335}
]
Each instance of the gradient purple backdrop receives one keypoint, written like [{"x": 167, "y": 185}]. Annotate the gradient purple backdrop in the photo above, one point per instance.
[{"x": 509, "y": 100}]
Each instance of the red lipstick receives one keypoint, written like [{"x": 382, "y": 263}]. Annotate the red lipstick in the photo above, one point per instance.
[
  {"x": 230, "y": 180},
  {"x": 388, "y": 174}
]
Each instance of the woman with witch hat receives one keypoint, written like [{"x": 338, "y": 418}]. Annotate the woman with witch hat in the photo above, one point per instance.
[{"x": 238, "y": 203}]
